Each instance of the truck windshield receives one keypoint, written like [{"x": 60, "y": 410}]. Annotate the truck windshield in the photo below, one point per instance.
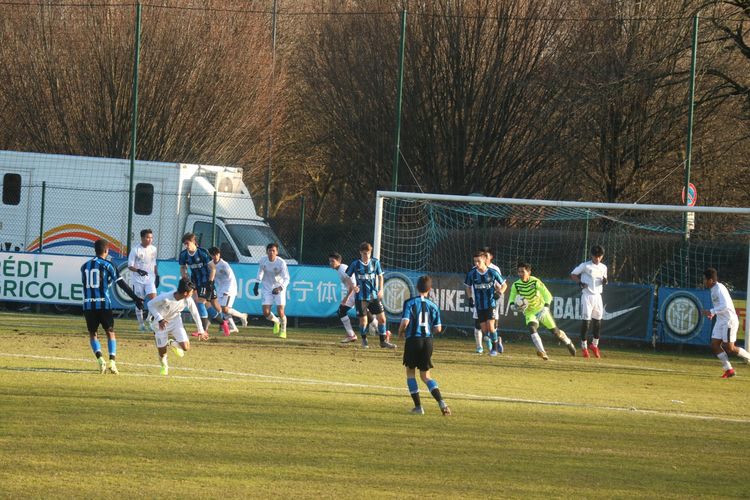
[{"x": 252, "y": 240}]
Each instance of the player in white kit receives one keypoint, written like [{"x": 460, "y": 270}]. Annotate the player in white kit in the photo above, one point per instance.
[
  {"x": 274, "y": 277},
  {"x": 225, "y": 285},
  {"x": 724, "y": 333},
  {"x": 347, "y": 301},
  {"x": 144, "y": 276},
  {"x": 591, "y": 277},
  {"x": 165, "y": 318}
]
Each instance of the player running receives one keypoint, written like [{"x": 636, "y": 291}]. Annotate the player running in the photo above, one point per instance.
[
  {"x": 97, "y": 275},
  {"x": 165, "y": 318},
  {"x": 202, "y": 272},
  {"x": 144, "y": 277},
  {"x": 483, "y": 287},
  {"x": 226, "y": 292},
  {"x": 274, "y": 275},
  {"x": 591, "y": 276},
  {"x": 369, "y": 293},
  {"x": 533, "y": 301},
  {"x": 724, "y": 333},
  {"x": 420, "y": 321}
]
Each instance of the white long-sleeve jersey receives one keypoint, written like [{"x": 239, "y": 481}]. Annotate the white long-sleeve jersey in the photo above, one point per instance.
[
  {"x": 591, "y": 275},
  {"x": 166, "y": 307},
  {"x": 723, "y": 307},
  {"x": 143, "y": 258},
  {"x": 273, "y": 274}
]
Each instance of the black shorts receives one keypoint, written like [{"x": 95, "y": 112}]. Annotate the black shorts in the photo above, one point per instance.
[
  {"x": 418, "y": 353},
  {"x": 485, "y": 314},
  {"x": 203, "y": 292},
  {"x": 375, "y": 307},
  {"x": 102, "y": 317}
]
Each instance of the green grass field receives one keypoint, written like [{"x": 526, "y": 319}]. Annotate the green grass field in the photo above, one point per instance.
[{"x": 255, "y": 416}]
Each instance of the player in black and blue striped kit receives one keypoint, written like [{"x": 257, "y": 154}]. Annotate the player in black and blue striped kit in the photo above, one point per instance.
[
  {"x": 484, "y": 286},
  {"x": 97, "y": 275},
  {"x": 202, "y": 272},
  {"x": 419, "y": 322},
  {"x": 369, "y": 293}
]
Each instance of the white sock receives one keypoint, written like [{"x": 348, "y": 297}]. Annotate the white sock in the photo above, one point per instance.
[
  {"x": 283, "y": 323},
  {"x": 164, "y": 360},
  {"x": 235, "y": 312},
  {"x": 743, "y": 354},
  {"x": 348, "y": 326},
  {"x": 478, "y": 337},
  {"x": 564, "y": 337},
  {"x": 584, "y": 344},
  {"x": 724, "y": 360},
  {"x": 374, "y": 324},
  {"x": 139, "y": 316},
  {"x": 537, "y": 340},
  {"x": 272, "y": 317},
  {"x": 232, "y": 326},
  {"x": 595, "y": 342}
]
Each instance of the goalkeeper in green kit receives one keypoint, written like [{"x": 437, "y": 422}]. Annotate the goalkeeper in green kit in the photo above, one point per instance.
[{"x": 530, "y": 296}]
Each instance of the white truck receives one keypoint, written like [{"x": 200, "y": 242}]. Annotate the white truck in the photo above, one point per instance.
[{"x": 87, "y": 198}]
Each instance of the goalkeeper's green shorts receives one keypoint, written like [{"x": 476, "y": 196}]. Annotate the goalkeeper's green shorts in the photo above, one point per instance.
[{"x": 545, "y": 320}]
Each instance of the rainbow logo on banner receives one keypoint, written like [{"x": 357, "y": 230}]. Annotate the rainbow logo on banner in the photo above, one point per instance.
[{"x": 77, "y": 235}]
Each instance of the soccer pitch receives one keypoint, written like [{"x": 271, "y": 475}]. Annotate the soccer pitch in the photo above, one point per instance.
[{"x": 255, "y": 416}]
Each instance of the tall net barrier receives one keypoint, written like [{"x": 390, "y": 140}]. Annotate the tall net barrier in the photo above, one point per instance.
[{"x": 642, "y": 244}]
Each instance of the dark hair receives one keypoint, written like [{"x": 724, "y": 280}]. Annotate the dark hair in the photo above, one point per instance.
[
  {"x": 272, "y": 245},
  {"x": 335, "y": 255},
  {"x": 101, "y": 246},
  {"x": 711, "y": 274},
  {"x": 424, "y": 284},
  {"x": 144, "y": 232},
  {"x": 214, "y": 251},
  {"x": 188, "y": 237},
  {"x": 488, "y": 251},
  {"x": 597, "y": 250},
  {"x": 365, "y": 246},
  {"x": 523, "y": 264},
  {"x": 185, "y": 285},
  {"x": 479, "y": 253}
]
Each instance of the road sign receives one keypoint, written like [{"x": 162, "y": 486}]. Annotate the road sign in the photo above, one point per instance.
[{"x": 692, "y": 195}]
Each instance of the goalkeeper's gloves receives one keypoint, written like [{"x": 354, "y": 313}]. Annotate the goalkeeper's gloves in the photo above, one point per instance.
[
  {"x": 276, "y": 290},
  {"x": 210, "y": 287},
  {"x": 139, "y": 303},
  {"x": 541, "y": 314},
  {"x": 471, "y": 301},
  {"x": 141, "y": 272},
  {"x": 604, "y": 280},
  {"x": 157, "y": 280},
  {"x": 496, "y": 295},
  {"x": 582, "y": 285},
  {"x": 255, "y": 288}
]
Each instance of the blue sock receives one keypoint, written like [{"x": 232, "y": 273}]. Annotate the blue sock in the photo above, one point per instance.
[
  {"x": 202, "y": 311},
  {"x": 411, "y": 383},
  {"x": 363, "y": 331},
  {"x": 95, "y": 345},
  {"x": 112, "y": 348},
  {"x": 431, "y": 385},
  {"x": 494, "y": 336},
  {"x": 381, "y": 329}
]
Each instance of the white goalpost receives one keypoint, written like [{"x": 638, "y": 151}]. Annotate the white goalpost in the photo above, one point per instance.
[{"x": 662, "y": 245}]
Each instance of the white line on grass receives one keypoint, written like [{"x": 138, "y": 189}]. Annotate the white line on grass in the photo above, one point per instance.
[{"x": 243, "y": 376}]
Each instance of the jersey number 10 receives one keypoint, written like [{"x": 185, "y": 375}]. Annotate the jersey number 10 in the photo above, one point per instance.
[{"x": 93, "y": 279}]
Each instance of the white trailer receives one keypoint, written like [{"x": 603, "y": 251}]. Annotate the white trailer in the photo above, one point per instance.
[{"x": 87, "y": 198}]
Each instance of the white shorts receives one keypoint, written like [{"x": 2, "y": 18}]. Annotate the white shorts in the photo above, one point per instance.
[
  {"x": 726, "y": 331},
  {"x": 350, "y": 301},
  {"x": 174, "y": 326},
  {"x": 270, "y": 299},
  {"x": 142, "y": 290},
  {"x": 225, "y": 299},
  {"x": 591, "y": 306}
]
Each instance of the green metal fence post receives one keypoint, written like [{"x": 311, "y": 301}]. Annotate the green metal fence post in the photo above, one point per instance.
[
  {"x": 134, "y": 120},
  {"x": 213, "y": 222},
  {"x": 691, "y": 108},
  {"x": 41, "y": 217},
  {"x": 399, "y": 99},
  {"x": 301, "y": 229},
  {"x": 586, "y": 238},
  {"x": 267, "y": 208}
]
